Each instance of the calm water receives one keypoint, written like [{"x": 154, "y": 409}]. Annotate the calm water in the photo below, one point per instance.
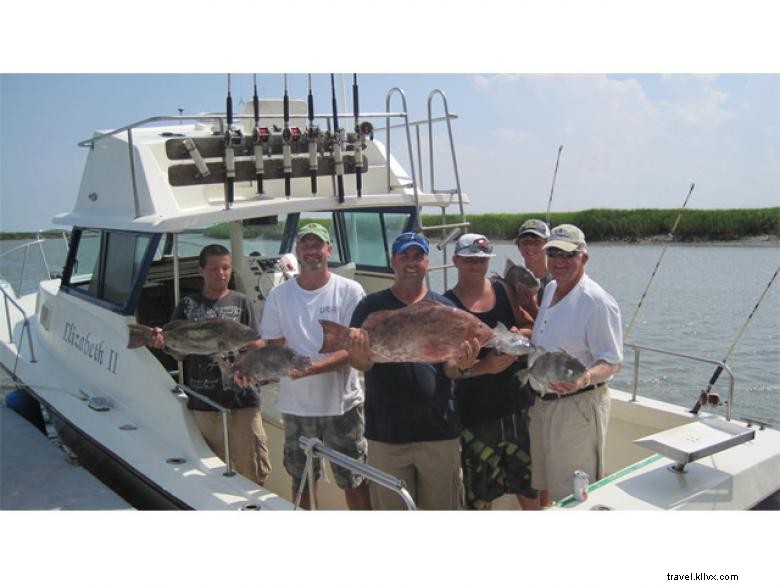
[{"x": 698, "y": 301}]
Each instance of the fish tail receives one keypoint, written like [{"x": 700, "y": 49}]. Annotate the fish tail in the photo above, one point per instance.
[
  {"x": 334, "y": 336},
  {"x": 140, "y": 335}
]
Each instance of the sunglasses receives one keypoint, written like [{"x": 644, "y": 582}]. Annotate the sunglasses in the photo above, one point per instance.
[
  {"x": 558, "y": 253},
  {"x": 410, "y": 237},
  {"x": 478, "y": 245}
]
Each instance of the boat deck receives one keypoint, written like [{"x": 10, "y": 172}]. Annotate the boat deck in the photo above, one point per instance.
[{"x": 36, "y": 475}]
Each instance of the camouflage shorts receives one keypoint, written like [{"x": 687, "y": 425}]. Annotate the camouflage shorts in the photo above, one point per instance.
[
  {"x": 496, "y": 461},
  {"x": 342, "y": 433}
]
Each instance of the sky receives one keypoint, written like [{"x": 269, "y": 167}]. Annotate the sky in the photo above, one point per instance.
[{"x": 630, "y": 140}]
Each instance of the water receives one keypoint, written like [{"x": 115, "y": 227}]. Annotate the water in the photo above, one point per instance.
[{"x": 697, "y": 303}]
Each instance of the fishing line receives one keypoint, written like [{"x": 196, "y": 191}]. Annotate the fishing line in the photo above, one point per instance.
[
  {"x": 663, "y": 252},
  {"x": 552, "y": 188},
  {"x": 703, "y": 396}
]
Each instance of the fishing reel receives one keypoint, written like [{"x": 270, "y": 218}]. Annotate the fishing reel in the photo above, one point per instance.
[
  {"x": 710, "y": 399},
  {"x": 234, "y": 137},
  {"x": 291, "y": 134}
]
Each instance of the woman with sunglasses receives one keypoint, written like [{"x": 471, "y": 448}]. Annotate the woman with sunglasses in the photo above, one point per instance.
[
  {"x": 493, "y": 406},
  {"x": 569, "y": 423}
]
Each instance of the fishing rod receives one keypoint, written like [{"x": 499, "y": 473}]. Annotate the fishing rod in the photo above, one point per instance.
[
  {"x": 552, "y": 188},
  {"x": 337, "y": 157},
  {"x": 230, "y": 159},
  {"x": 663, "y": 252},
  {"x": 358, "y": 148},
  {"x": 259, "y": 165},
  {"x": 705, "y": 393},
  {"x": 286, "y": 138},
  {"x": 312, "y": 134}
]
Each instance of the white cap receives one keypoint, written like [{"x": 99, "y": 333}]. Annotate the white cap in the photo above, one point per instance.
[
  {"x": 566, "y": 237},
  {"x": 474, "y": 246}
]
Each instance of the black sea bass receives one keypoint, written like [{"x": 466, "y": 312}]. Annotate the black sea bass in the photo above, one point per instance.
[{"x": 425, "y": 332}]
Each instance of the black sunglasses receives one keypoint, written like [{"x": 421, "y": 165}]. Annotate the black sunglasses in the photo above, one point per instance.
[{"x": 558, "y": 253}]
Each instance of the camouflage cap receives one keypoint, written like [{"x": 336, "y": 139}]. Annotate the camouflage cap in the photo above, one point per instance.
[{"x": 315, "y": 229}]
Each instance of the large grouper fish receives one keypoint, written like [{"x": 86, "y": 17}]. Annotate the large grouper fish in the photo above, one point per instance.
[
  {"x": 203, "y": 337},
  {"x": 424, "y": 332}
]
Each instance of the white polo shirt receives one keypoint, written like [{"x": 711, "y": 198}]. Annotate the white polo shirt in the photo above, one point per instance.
[{"x": 585, "y": 323}]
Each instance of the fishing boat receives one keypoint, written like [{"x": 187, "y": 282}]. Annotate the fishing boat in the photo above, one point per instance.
[{"x": 149, "y": 192}]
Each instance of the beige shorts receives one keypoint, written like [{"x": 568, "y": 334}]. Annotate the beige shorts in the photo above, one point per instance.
[
  {"x": 568, "y": 434},
  {"x": 246, "y": 436},
  {"x": 430, "y": 469}
]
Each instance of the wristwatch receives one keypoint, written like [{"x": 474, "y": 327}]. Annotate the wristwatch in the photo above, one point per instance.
[{"x": 465, "y": 372}]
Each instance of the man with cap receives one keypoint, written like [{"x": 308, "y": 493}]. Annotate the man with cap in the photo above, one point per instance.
[
  {"x": 569, "y": 423},
  {"x": 325, "y": 400},
  {"x": 531, "y": 237},
  {"x": 492, "y": 403},
  {"x": 411, "y": 423}
]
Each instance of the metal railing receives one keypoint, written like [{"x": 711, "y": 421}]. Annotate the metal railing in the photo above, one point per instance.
[
  {"x": 638, "y": 349},
  {"x": 25, "y": 327},
  {"x": 224, "y": 411},
  {"x": 315, "y": 448},
  {"x": 39, "y": 240}
]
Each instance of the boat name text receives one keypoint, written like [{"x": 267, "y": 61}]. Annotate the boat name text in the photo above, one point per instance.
[{"x": 91, "y": 349}]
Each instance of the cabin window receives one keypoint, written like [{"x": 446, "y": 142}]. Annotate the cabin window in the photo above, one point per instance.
[
  {"x": 369, "y": 236},
  {"x": 106, "y": 265}
]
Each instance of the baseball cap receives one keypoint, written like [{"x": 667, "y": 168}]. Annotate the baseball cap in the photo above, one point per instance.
[
  {"x": 408, "y": 239},
  {"x": 474, "y": 246},
  {"x": 535, "y": 227},
  {"x": 566, "y": 237},
  {"x": 316, "y": 229}
]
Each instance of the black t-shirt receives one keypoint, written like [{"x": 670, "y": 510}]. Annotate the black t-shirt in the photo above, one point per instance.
[
  {"x": 406, "y": 402},
  {"x": 201, "y": 372},
  {"x": 490, "y": 396}
]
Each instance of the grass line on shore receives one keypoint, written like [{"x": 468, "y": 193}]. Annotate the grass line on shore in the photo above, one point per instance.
[{"x": 624, "y": 225}]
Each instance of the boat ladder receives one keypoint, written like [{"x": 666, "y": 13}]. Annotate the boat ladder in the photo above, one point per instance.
[
  {"x": 313, "y": 447},
  {"x": 447, "y": 229}
]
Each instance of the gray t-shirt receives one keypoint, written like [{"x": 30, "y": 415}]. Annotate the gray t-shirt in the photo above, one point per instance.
[{"x": 202, "y": 373}]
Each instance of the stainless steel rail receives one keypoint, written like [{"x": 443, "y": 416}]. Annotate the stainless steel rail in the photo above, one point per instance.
[
  {"x": 26, "y": 247},
  {"x": 638, "y": 349},
  {"x": 25, "y": 327},
  {"x": 189, "y": 391},
  {"x": 315, "y": 448}
]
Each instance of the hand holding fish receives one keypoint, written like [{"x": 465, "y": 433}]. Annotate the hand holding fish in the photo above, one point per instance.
[
  {"x": 563, "y": 387},
  {"x": 359, "y": 349},
  {"x": 158, "y": 338}
]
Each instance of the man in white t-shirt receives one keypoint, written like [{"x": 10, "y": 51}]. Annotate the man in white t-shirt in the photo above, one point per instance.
[
  {"x": 326, "y": 400},
  {"x": 569, "y": 424}
]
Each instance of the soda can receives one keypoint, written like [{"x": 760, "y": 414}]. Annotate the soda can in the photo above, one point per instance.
[{"x": 580, "y": 488}]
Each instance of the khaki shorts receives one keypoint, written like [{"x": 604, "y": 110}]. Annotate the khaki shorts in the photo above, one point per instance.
[
  {"x": 430, "y": 470},
  {"x": 568, "y": 434},
  {"x": 246, "y": 437}
]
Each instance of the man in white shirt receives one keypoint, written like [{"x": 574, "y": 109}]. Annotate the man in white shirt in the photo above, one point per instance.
[
  {"x": 325, "y": 400},
  {"x": 569, "y": 424}
]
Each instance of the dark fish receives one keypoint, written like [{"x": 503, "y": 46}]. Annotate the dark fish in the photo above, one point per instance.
[
  {"x": 553, "y": 366},
  {"x": 204, "y": 337},
  {"x": 425, "y": 332},
  {"x": 516, "y": 274},
  {"x": 265, "y": 363},
  {"x": 506, "y": 341}
]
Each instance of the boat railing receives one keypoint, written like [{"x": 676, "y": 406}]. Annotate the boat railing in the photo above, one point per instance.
[
  {"x": 638, "y": 349},
  {"x": 25, "y": 325},
  {"x": 39, "y": 241},
  {"x": 313, "y": 447},
  {"x": 224, "y": 412}
]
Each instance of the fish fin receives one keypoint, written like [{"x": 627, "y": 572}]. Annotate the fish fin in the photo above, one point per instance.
[
  {"x": 176, "y": 324},
  {"x": 139, "y": 335},
  {"x": 500, "y": 329},
  {"x": 508, "y": 266},
  {"x": 334, "y": 336}
]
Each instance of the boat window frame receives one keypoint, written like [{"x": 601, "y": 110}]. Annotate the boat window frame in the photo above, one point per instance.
[
  {"x": 340, "y": 226},
  {"x": 134, "y": 294}
]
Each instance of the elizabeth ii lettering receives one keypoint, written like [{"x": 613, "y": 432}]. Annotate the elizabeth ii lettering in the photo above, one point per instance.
[{"x": 90, "y": 348}]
